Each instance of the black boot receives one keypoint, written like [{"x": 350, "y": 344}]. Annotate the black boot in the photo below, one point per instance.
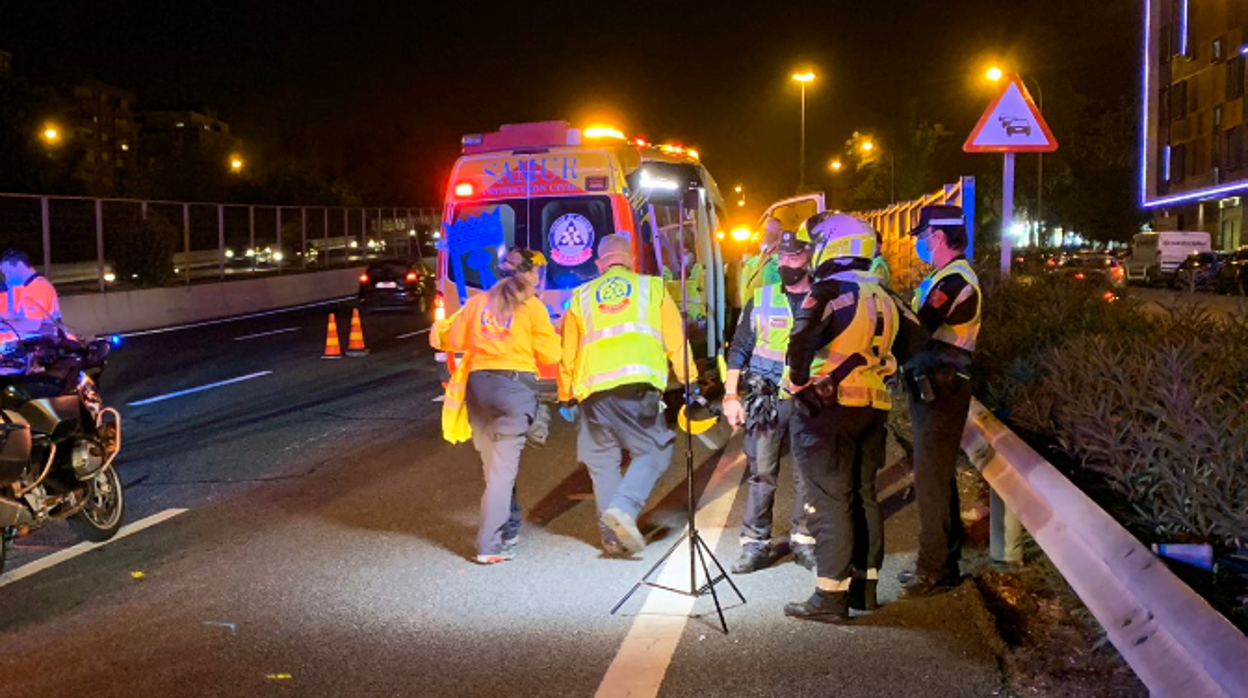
[
  {"x": 922, "y": 586},
  {"x": 752, "y": 559},
  {"x": 821, "y": 607},
  {"x": 804, "y": 555},
  {"x": 862, "y": 594}
]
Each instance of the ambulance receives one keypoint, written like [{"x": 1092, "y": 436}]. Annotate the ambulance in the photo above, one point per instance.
[{"x": 558, "y": 189}]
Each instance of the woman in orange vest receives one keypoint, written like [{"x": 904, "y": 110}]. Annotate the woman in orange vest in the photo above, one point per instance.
[{"x": 503, "y": 334}]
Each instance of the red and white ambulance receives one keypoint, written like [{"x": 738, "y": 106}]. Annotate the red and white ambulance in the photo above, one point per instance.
[{"x": 558, "y": 189}]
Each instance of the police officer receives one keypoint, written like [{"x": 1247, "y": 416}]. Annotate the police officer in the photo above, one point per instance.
[
  {"x": 839, "y": 357},
  {"x": 619, "y": 334},
  {"x": 503, "y": 334},
  {"x": 758, "y": 348},
  {"x": 31, "y": 304},
  {"x": 948, "y": 306}
]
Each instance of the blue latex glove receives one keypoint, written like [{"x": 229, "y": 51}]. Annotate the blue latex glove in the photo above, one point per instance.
[{"x": 568, "y": 412}]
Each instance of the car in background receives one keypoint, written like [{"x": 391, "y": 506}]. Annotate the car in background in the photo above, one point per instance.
[
  {"x": 1100, "y": 271},
  {"x": 1199, "y": 271},
  {"x": 1232, "y": 276},
  {"x": 397, "y": 283}
]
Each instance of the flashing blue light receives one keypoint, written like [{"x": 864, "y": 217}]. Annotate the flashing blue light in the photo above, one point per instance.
[{"x": 115, "y": 340}]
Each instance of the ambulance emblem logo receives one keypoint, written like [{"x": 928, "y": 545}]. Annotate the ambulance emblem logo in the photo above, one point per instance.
[
  {"x": 571, "y": 240},
  {"x": 613, "y": 295}
]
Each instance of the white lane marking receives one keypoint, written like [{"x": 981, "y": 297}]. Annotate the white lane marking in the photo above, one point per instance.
[
  {"x": 198, "y": 389},
  {"x": 74, "y": 551},
  {"x": 641, "y": 664},
  {"x": 235, "y": 318},
  {"x": 266, "y": 334},
  {"x": 413, "y": 334}
]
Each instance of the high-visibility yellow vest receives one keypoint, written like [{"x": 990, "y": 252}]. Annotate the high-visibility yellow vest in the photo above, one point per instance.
[
  {"x": 867, "y": 342},
  {"x": 772, "y": 322},
  {"x": 622, "y": 341},
  {"x": 963, "y": 335}
]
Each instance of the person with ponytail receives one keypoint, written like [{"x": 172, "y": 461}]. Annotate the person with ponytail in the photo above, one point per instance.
[{"x": 503, "y": 334}]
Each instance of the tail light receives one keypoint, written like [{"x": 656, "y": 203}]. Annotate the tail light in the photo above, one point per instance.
[
  {"x": 363, "y": 278},
  {"x": 1109, "y": 296},
  {"x": 411, "y": 276},
  {"x": 1079, "y": 276},
  {"x": 439, "y": 307},
  {"x": 1119, "y": 273}
]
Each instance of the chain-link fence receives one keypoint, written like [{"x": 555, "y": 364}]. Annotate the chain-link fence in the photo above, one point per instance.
[{"x": 99, "y": 245}]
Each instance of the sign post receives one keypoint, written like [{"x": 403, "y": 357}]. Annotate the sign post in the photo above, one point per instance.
[{"x": 1012, "y": 124}]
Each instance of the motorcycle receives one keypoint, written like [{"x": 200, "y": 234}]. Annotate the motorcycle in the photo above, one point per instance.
[{"x": 58, "y": 440}]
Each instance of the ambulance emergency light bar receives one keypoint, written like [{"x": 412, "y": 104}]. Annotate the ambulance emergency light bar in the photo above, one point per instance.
[{"x": 553, "y": 134}]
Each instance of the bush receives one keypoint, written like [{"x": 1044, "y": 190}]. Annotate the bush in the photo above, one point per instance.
[
  {"x": 1152, "y": 406},
  {"x": 142, "y": 254}
]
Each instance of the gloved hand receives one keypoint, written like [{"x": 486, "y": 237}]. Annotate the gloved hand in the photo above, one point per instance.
[
  {"x": 734, "y": 412},
  {"x": 568, "y": 411}
]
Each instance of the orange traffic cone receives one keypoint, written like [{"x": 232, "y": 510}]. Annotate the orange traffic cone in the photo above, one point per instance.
[
  {"x": 355, "y": 341},
  {"x": 333, "y": 350}
]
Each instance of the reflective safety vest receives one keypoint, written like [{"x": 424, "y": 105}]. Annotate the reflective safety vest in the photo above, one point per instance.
[
  {"x": 865, "y": 347},
  {"x": 772, "y": 322},
  {"x": 961, "y": 336},
  {"x": 622, "y": 341}
]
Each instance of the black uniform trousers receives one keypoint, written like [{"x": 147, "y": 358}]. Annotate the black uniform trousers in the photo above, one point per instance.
[
  {"x": 937, "y": 432},
  {"x": 839, "y": 451}
]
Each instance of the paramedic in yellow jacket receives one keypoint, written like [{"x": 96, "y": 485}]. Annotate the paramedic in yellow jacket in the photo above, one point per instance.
[
  {"x": 503, "y": 333},
  {"x": 619, "y": 333}
]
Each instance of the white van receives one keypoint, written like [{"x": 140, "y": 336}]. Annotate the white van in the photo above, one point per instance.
[{"x": 1155, "y": 256}]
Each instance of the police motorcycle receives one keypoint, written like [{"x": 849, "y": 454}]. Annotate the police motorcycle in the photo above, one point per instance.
[{"x": 58, "y": 439}]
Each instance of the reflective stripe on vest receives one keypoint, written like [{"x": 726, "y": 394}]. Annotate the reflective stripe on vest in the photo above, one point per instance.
[
  {"x": 962, "y": 336},
  {"x": 870, "y": 335},
  {"x": 623, "y": 342},
  {"x": 772, "y": 319}
]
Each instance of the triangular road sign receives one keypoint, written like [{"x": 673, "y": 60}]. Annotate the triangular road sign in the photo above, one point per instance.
[{"x": 1012, "y": 124}]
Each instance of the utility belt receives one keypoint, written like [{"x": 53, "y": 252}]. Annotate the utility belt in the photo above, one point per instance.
[{"x": 930, "y": 383}]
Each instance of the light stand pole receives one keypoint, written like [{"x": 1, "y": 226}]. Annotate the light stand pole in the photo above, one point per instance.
[
  {"x": 699, "y": 551},
  {"x": 802, "y": 79}
]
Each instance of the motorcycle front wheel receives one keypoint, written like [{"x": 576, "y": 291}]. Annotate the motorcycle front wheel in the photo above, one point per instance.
[{"x": 101, "y": 518}]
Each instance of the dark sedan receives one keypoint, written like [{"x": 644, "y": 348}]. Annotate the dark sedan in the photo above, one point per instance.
[
  {"x": 1199, "y": 271},
  {"x": 1232, "y": 276},
  {"x": 397, "y": 284},
  {"x": 1100, "y": 271}
]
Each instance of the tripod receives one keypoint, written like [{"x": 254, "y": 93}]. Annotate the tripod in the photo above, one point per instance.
[{"x": 699, "y": 551}]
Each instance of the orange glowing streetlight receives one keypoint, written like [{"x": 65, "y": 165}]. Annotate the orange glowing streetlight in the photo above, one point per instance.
[
  {"x": 803, "y": 79},
  {"x": 236, "y": 163}
]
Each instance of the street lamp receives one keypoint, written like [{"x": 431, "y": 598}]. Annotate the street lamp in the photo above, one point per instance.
[
  {"x": 51, "y": 134},
  {"x": 995, "y": 74},
  {"x": 802, "y": 79},
  {"x": 236, "y": 163},
  {"x": 868, "y": 146},
  {"x": 835, "y": 166}
]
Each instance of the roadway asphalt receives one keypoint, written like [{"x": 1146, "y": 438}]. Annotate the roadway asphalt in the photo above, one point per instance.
[{"x": 325, "y": 551}]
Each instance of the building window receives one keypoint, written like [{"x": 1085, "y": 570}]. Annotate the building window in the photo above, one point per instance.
[
  {"x": 1178, "y": 101},
  {"x": 1234, "y": 140},
  {"x": 180, "y": 124},
  {"x": 1215, "y": 51},
  {"x": 1178, "y": 163},
  {"x": 1235, "y": 77}
]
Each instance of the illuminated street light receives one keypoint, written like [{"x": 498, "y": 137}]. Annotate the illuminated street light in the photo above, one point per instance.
[
  {"x": 803, "y": 79},
  {"x": 236, "y": 163},
  {"x": 994, "y": 74},
  {"x": 867, "y": 146},
  {"x": 738, "y": 189},
  {"x": 835, "y": 166},
  {"x": 51, "y": 134}
]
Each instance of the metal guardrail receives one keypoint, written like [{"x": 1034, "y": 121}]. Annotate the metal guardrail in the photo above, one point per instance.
[
  {"x": 1173, "y": 639},
  {"x": 74, "y": 237}
]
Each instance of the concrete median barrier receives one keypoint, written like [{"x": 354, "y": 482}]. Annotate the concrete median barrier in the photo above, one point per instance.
[
  {"x": 128, "y": 311},
  {"x": 1173, "y": 639}
]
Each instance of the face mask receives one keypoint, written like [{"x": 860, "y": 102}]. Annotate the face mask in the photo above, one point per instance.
[
  {"x": 792, "y": 276},
  {"x": 923, "y": 248},
  {"x": 506, "y": 272}
]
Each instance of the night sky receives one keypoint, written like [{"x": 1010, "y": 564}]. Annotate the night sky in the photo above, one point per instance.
[{"x": 408, "y": 79}]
